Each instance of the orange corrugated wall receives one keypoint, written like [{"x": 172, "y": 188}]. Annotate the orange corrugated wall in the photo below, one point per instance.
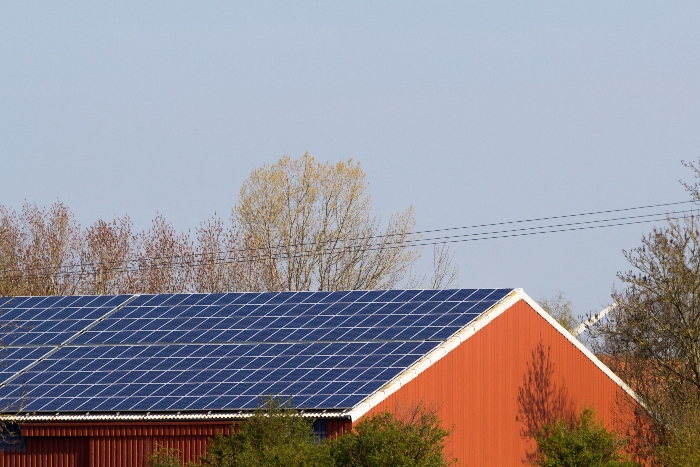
[{"x": 475, "y": 387}]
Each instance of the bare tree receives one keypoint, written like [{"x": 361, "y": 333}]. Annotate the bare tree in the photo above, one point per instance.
[
  {"x": 652, "y": 337},
  {"x": 445, "y": 268},
  {"x": 105, "y": 257},
  {"x": 10, "y": 268},
  {"x": 39, "y": 247},
  {"x": 445, "y": 271},
  {"x": 310, "y": 226},
  {"x": 299, "y": 225},
  {"x": 220, "y": 261},
  {"x": 164, "y": 260}
]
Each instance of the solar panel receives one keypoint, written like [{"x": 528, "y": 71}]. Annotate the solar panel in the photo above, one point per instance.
[
  {"x": 47, "y": 321},
  {"x": 193, "y": 352},
  {"x": 311, "y": 317}
]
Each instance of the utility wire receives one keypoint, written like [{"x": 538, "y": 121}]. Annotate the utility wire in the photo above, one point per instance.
[
  {"x": 222, "y": 257},
  {"x": 411, "y": 237},
  {"x": 405, "y": 234}
]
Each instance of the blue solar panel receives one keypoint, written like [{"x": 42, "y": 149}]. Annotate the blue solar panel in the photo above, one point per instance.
[
  {"x": 52, "y": 320},
  {"x": 329, "y": 350},
  {"x": 278, "y": 322}
]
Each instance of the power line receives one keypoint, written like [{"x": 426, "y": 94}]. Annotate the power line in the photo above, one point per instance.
[
  {"x": 554, "y": 217},
  {"x": 222, "y": 257},
  {"x": 560, "y": 225},
  {"x": 411, "y": 236}
]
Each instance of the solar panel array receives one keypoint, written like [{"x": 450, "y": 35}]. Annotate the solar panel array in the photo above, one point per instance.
[{"x": 194, "y": 352}]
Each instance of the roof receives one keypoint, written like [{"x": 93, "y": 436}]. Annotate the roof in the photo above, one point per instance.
[
  {"x": 212, "y": 356},
  {"x": 221, "y": 352}
]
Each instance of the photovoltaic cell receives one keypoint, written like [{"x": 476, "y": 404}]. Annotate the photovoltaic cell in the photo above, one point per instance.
[
  {"x": 30, "y": 321},
  {"x": 191, "y": 352},
  {"x": 189, "y": 371}
]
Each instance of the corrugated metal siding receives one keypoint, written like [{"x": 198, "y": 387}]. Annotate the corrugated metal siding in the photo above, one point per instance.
[
  {"x": 50, "y": 451},
  {"x": 475, "y": 387},
  {"x": 119, "y": 444},
  {"x": 335, "y": 428},
  {"x": 109, "y": 444}
]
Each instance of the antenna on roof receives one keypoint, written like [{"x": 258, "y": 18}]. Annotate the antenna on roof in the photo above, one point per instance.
[{"x": 583, "y": 327}]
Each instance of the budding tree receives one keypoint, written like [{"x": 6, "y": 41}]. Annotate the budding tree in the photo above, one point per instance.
[
  {"x": 309, "y": 225},
  {"x": 105, "y": 257},
  {"x": 40, "y": 251},
  {"x": 164, "y": 260}
]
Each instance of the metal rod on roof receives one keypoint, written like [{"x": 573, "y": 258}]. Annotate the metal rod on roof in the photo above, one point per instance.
[{"x": 583, "y": 327}]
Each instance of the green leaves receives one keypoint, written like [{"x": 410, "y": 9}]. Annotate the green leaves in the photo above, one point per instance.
[
  {"x": 278, "y": 436},
  {"x": 275, "y": 436},
  {"x": 583, "y": 443},
  {"x": 385, "y": 441}
]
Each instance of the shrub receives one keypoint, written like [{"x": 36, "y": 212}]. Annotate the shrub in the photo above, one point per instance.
[{"x": 583, "y": 443}]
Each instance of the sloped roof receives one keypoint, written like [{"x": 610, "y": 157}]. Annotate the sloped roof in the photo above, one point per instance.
[{"x": 215, "y": 354}]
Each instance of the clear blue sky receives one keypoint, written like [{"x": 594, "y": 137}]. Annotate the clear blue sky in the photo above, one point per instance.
[{"x": 472, "y": 112}]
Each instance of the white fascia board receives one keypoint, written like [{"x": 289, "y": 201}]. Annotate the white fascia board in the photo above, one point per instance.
[
  {"x": 579, "y": 345},
  {"x": 108, "y": 417},
  {"x": 465, "y": 333},
  {"x": 433, "y": 356}
]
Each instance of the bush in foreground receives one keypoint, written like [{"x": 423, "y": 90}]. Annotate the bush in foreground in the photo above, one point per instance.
[
  {"x": 583, "y": 443},
  {"x": 276, "y": 435},
  {"x": 387, "y": 441}
]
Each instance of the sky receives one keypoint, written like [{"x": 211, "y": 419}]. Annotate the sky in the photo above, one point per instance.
[{"x": 471, "y": 112}]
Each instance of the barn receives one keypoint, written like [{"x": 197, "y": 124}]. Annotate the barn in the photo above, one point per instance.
[{"x": 102, "y": 380}]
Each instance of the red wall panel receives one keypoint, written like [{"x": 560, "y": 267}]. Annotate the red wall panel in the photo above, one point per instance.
[
  {"x": 116, "y": 444},
  {"x": 476, "y": 387}
]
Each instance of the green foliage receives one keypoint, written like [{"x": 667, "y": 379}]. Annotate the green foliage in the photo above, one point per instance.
[
  {"x": 387, "y": 441},
  {"x": 682, "y": 447},
  {"x": 275, "y": 436},
  {"x": 679, "y": 445},
  {"x": 165, "y": 457},
  {"x": 583, "y": 443},
  {"x": 561, "y": 309}
]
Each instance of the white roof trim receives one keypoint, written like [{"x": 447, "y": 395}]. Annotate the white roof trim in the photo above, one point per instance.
[
  {"x": 436, "y": 354},
  {"x": 465, "y": 333},
  {"x": 106, "y": 417},
  {"x": 579, "y": 345}
]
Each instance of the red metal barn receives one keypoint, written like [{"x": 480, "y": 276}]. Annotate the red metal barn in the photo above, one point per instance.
[{"x": 172, "y": 370}]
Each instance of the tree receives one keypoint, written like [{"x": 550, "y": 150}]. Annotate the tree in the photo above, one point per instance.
[
  {"x": 583, "y": 443},
  {"x": 561, "y": 309},
  {"x": 38, "y": 246},
  {"x": 105, "y": 255},
  {"x": 165, "y": 457},
  {"x": 310, "y": 226},
  {"x": 445, "y": 270},
  {"x": 652, "y": 337},
  {"x": 384, "y": 440},
  {"x": 276, "y": 435},
  {"x": 299, "y": 225}
]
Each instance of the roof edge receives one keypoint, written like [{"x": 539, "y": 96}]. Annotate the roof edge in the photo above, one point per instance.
[
  {"x": 465, "y": 333},
  {"x": 148, "y": 416},
  {"x": 436, "y": 354},
  {"x": 579, "y": 345}
]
